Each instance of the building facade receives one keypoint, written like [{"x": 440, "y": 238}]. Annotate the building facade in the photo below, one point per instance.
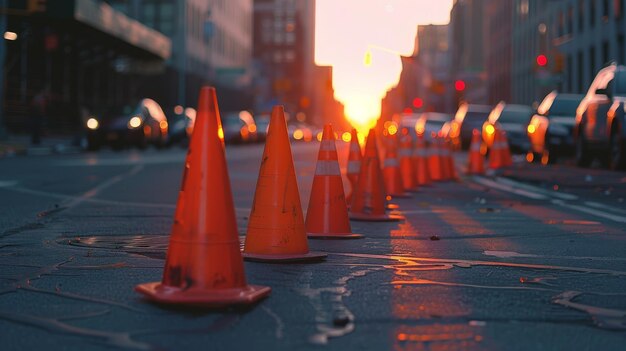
[
  {"x": 83, "y": 55},
  {"x": 498, "y": 49},
  {"x": 533, "y": 36},
  {"x": 467, "y": 50},
  {"x": 588, "y": 34},
  {"x": 211, "y": 43}
]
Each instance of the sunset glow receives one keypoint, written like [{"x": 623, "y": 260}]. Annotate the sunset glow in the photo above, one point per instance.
[{"x": 363, "y": 44}]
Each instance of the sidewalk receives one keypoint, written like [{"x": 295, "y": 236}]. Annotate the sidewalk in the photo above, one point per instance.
[{"x": 19, "y": 144}]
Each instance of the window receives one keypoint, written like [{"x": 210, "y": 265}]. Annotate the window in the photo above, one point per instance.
[
  {"x": 592, "y": 61},
  {"x": 581, "y": 72},
  {"x": 592, "y": 13},
  {"x": 605, "y": 52},
  {"x": 581, "y": 15}
]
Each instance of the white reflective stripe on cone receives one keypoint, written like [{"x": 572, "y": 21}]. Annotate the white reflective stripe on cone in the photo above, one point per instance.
[
  {"x": 355, "y": 147},
  {"x": 327, "y": 168},
  {"x": 391, "y": 162},
  {"x": 475, "y": 147},
  {"x": 404, "y": 152},
  {"x": 420, "y": 153},
  {"x": 327, "y": 145},
  {"x": 354, "y": 167}
]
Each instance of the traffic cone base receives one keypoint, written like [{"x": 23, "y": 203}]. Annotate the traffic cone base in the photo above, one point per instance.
[
  {"x": 334, "y": 236},
  {"x": 376, "y": 218},
  {"x": 160, "y": 293},
  {"x": 310, "y": 256}
]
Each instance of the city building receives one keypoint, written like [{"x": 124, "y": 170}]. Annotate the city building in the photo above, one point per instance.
[
  {"x": 424, "y": 83},
  {"x": 211, "y": 43},
  {"x": 498, "y": 49},
  {"x": 588, "y": 35},
  {"x": 284, "y": 44},
  {"x": 535, "y": 67},
  {"x": 82, "y": 54},
  {"x": 466, "y": 43}
]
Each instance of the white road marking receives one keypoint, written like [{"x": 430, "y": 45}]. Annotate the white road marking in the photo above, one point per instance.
[
  {"x": 7, "y": 183},
  {"x": 559, "y": 199},
  {"x": 508, "y": 188}
]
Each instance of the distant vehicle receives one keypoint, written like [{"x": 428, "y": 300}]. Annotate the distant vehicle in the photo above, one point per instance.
[
  {"x": 551, "y": 129},
  {"x": 239, "y": 127},
  {"x": 468, "y": 117},
  {"x": 600, "y": 119},
  {"x": 430, "y": 123},
  {"x": 124, "y": 126},
  {"x": 262, "y": 126},
  {"x": 180, "y": 124},
  {"x": 512, "y": 119}
]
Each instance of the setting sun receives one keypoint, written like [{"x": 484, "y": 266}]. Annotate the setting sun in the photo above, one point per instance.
[{"x": 363, "y": 44}]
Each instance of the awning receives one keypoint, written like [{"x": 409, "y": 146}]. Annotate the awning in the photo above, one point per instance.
[{"x": 104, "y": 18}]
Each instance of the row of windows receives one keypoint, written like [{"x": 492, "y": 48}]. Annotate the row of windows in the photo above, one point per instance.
[{"x": 586, "y": 13}]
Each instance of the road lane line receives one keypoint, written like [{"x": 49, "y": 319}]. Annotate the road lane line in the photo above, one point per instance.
[
  {"x": 508, "y": 188},
  {"x": 98, "y": 188},
  {"x": 536, "y": 189},
  {"x": 605, "y": 207},
  {"x": 612, "y": 217}
]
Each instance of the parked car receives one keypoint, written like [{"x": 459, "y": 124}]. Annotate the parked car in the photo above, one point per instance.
[
  {"x": 125, "y": 126},
  {"x": 551, "y": 129},
  {"x": 239, "y": 127},
  {"x": 600, "y": 117},
  {"x": 512, "y": 119},
  {"x": 431, "y": 122},
  {"x": 262, "y": 126},
  {"x": 468, "y": 117},
  {"x": 180, "y": 124}
]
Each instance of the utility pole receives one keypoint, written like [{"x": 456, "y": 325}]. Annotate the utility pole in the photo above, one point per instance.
[{"x": 3, "y": 53}]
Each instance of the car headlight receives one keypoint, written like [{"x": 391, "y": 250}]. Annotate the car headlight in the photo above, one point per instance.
[
  {"x": 93, "y": 123},
  {"x": 134, "y": 122}
]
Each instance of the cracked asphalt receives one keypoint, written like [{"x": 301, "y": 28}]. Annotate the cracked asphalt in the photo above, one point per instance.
[{"x": 529, "y": 258}]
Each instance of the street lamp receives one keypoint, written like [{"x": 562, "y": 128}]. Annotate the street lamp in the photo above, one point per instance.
[{"x": 367, "y": 60}]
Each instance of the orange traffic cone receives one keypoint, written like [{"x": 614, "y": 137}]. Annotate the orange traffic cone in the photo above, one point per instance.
[
  {"x": 276, "y": 227},
  {"x": 391, "y": 169},
  {"x": 495, "y": 154},
  {"x": 444, "y": 159},
  {"x": 451, "y": 166},
  {"x": 369, "y": 198},
  {"x": 420, "y": 160},
  {"x": 476, "y": 160},
  {"x": 434, "y": 160},
  {"x": 204, "y": 265},
  {"x": 327, "y": 215},
  {"x": 507, "y": 160},
  {"x": 407, "y": 166},
  {"x": 354, "y": 163}
]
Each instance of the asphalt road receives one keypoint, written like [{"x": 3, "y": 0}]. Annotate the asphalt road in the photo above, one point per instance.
[{"x": 531, "y": 258}]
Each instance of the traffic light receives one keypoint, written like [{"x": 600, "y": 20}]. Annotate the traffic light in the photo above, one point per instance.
[
  {"x": 418, "y": 103},
  {"x": 542, "y": 60},
  {"x": 459, "y": 85}
]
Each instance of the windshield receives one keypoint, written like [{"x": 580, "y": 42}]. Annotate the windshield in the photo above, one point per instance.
[
  {"x": 564, "y": 107},
  {"x": 620, "y": 83},
  {"x": 515, "y": 116},
  {"x": 476, "y": 116}
]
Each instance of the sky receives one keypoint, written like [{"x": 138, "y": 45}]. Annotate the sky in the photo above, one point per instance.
[{"x": 347, "y": 29}]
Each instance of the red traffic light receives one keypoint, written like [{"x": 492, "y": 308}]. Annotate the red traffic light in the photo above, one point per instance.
[
  {"x": 542, "y": 60},
  {"x": 459, "y": 85},
  {"x": 417, "y": 102},
  {"x": 407, "y": 110}
]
